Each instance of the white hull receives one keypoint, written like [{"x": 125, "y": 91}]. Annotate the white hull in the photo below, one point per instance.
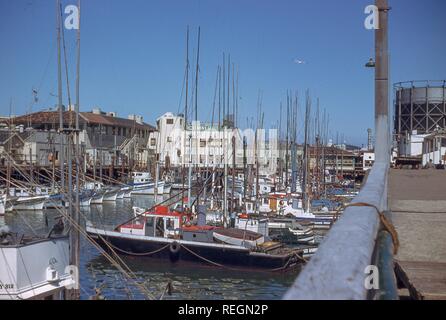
[
  {"x": 32, "y": 203},
  {"x": 97, "y": 199},
  {"x": 121, "y": 194},
  {"x": 150, "y": 190},
  {"x": 167, "y": 189},
  {"x": 85, "y": 202},
  {"x": 110, "y": 196},
  {"x": 45, "y": 263}
]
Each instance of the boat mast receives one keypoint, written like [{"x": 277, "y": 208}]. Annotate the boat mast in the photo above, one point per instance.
[
  {"x": 287, "y": 139},
  {"x": 293, "y": 146},
  {"x": 59, "y": 95},
  {"x": 8, "y": 168},
  {"x": 305, "y": 169},
  {"x": 197, "y": 141},
  {"x": 185, "y": 116}
]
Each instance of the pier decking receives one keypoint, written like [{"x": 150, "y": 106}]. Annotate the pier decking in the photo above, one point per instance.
[{"x": 417, "y": 199}]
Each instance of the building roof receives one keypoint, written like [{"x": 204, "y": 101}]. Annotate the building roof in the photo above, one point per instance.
[{"x": 52, "y": 117}]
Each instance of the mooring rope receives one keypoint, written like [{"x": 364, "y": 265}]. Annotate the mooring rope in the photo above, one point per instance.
[
  {"x": 135, "y": 253},
  {"x": 387, "y": 224}
]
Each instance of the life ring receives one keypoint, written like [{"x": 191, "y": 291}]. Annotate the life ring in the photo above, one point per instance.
[{"x": 174, "y": 249}]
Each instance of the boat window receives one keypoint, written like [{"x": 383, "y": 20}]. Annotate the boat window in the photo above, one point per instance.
[
  {"x": 149, "y": 222},
  {"x": 159, "y": 227},
  {"x": 170, "y": 224}
]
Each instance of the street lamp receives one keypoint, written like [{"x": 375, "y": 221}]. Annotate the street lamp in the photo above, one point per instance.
[{"x": 370, "y": 63}]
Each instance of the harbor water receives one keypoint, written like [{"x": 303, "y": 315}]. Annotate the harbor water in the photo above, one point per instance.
[{"x": 188, "y": 280}]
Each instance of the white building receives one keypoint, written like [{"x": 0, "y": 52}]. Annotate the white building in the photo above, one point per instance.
[
  {"x": 207, "y": 145},
  {"x": 411, "y": 145},
  {"x": 368, "y": 159},
  {"x": 434, "y": 148}
]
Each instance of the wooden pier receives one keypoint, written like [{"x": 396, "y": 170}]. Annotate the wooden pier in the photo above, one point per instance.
[{"x": 417, "y": 199}]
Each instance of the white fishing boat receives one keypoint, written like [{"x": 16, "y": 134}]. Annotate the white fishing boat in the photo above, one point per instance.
[
  {"x": 34, "y": 268},
  {"x": 29, "y": 203}
]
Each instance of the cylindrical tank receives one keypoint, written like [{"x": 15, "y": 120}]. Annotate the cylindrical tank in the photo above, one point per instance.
[{"x": 419, "y": 106}]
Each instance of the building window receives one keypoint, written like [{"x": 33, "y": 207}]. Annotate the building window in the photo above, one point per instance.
[
  {"x": 153, "y": 142},
  {"x": 169, "y": 139},
  {"x": 169, "y": 121},
  {"x": 202, "y": 143}
]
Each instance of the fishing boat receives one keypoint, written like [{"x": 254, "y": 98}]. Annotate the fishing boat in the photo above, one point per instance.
[
  {"x": 171, "y": 235},
  {"x": 33, "y": 268},
  {"x": 23, "y": 199}
]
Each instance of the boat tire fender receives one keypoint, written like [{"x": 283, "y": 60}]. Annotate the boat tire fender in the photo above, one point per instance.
[{"x": 175, "y": 247}]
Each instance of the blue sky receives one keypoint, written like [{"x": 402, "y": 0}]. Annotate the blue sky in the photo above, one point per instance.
[{"x": 133, "y": 54}]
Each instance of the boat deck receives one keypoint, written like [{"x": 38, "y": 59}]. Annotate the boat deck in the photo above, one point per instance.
[{"x": 417, "y": 200}]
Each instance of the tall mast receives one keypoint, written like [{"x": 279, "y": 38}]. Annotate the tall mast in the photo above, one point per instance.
[
  {"x": 196, "y": 77},
  {"x": 74, "y": 233},
  {"x": 197, "y": 141},
  {"x": 59, "y": 94},
  {"x": 293, "y": 146},
  {"x": 305, "y": 171},
  {"x": 185, "y": 114},
  {"x": 287, "y": 139}
]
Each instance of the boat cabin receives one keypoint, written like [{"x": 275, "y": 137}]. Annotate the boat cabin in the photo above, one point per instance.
[
  {"x": 141, "y": 177},
  {"x": 159, "y": 223}
]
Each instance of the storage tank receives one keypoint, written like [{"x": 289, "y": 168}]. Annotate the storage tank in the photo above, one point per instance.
[{"x": 419, "y": 106}]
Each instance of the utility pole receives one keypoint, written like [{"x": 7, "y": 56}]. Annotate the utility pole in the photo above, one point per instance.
[{"x": 382, "y": 150}]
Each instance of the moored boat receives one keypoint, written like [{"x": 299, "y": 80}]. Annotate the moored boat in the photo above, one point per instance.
[{"x": 171, "y": 235}]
